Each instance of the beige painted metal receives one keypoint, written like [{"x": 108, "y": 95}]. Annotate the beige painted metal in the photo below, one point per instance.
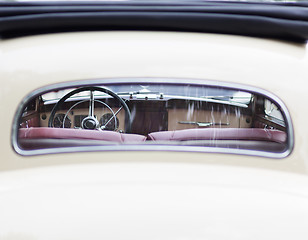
[
  {"x": 152, "y": 201},
  {"x": 29, "y": 63}
]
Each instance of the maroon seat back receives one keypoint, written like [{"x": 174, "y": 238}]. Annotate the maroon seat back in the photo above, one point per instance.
[
  {"x": 220, "y": 134},
  {"x": 69, "y": 133}
]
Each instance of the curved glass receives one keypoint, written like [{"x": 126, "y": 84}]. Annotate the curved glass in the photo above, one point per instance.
[{"x": 153, "y": 115}]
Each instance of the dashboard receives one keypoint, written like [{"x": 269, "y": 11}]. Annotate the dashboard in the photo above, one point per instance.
[{"x": 150, "y": 115}]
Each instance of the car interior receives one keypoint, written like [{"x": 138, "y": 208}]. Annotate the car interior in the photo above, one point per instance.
[{"x": 137, "y": 113}]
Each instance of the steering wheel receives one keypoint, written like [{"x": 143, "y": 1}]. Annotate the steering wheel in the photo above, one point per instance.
[{"x": 90, "y": 122}]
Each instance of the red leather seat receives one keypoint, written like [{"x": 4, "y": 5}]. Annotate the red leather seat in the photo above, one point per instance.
[
  {"x": 69, "y": 133},
  {"x": 220, "y": 134}
]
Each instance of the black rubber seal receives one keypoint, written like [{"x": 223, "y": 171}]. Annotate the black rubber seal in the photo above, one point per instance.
[{"x": 285, "y": 21}]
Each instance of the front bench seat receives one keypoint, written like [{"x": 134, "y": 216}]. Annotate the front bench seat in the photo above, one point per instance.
[
  {"x": 258, "y": 134},
  {"x": 69, "y": 133}
]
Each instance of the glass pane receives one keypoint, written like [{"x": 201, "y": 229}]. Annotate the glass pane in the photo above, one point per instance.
[{"x": 152, "y": 114}]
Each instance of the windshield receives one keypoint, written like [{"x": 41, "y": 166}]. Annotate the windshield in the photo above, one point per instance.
[{"x": 157, "y": 91}]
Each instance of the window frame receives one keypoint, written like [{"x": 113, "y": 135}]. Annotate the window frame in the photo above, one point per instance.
[{"x": 152, "y": 147}]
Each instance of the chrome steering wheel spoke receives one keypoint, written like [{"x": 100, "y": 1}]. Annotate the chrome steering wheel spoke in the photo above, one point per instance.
[{"x": 90, "y": 122}]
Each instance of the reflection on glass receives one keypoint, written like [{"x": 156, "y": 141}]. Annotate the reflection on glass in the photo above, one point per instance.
[{"x": 153, "y": 114}]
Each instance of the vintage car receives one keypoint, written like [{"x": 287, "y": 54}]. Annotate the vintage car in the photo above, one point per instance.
[{"x": 156, "y": 120}]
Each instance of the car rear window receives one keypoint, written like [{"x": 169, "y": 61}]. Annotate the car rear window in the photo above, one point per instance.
[{"x": 153, "y": 114}]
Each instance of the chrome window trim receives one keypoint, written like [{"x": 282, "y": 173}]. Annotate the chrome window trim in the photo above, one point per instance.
[{"x": 145, "y": 147}]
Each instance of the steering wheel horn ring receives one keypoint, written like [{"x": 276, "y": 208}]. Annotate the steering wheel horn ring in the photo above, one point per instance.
[{"x": 90, "y": 122}]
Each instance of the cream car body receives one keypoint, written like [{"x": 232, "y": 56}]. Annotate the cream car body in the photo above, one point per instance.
[{"x": 153, "y": 194}]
